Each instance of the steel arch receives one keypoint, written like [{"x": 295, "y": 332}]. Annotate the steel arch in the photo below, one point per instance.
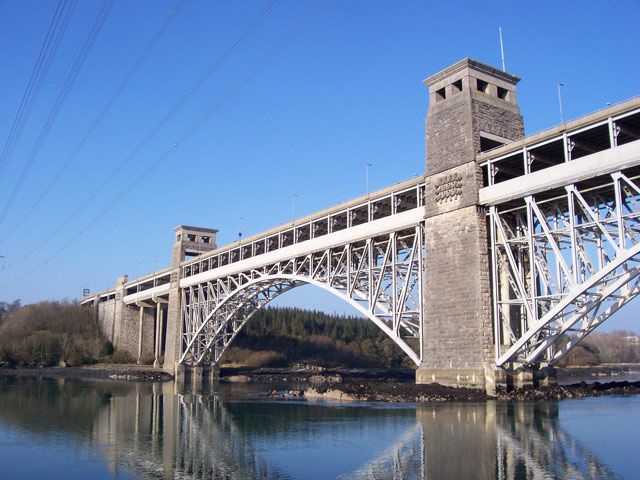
[
  {"x": 563, "y": 264},
  {"x": 381, "y": 277}
]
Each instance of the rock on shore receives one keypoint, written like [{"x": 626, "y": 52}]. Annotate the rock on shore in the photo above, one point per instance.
[{"x": 407, "y": 392}]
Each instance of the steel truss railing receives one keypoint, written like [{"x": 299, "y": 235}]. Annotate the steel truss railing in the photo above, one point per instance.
[
  {"x": 382, "y": 277},
  {"x": 562, "y": 266}
]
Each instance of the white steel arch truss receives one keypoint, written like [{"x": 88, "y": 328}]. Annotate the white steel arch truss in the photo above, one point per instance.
[
  {"x": 382, "y": 277},
  {"x": 562, "y": 264}
]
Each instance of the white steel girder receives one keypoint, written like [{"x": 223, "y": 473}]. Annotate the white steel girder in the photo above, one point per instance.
[
  {"x": 382, "y": 277},
  {"x": 562, "y": 266}
]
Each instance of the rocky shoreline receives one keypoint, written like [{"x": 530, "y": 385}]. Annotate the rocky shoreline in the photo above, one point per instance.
[
  {"x": 377, "y": 385},
  {"x": 402, "y": 392}
]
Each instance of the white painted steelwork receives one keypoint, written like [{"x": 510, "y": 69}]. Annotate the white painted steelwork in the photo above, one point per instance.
[
  {"x": 381, "y": 276},
  {"x": 563, "y": 261},
  {"x": 369, "y": 252}
]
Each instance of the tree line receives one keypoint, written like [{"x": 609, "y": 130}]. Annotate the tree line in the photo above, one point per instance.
[
  {"x": 281, "y": 336},
  {"x": 619, "y": 346},
  {"x": 63, "y": 332},
  {"x": 45, "y": 334}
]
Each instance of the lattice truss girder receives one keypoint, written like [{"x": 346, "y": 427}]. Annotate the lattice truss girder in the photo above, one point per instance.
[
  {"x": 561, "y": 267},
  {"x": 382, "y": 277}
]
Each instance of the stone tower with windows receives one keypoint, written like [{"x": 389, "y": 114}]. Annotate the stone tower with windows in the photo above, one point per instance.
[
  {"x": 190, "y": 242},
  {"x": 472, "y": 108}
]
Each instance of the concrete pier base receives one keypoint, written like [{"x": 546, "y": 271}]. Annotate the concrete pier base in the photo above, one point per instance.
[
  {"x": 490, "y": 379},
  {"x": 196, "y": 378},
  {"x": 180, "y": 373},
  {"x": 211, "y": 374},
  {"x": 513, "y": 379},
  {"x": 469, "y": 378}
]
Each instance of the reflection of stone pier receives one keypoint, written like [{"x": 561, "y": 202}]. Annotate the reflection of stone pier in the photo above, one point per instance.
[
  {"x": 503, "y": 441},
  {"x": 156, "y": 431}
]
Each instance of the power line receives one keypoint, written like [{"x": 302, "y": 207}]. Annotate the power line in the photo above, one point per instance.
[
  {"x": 79, "y": 59},
  {"x": 103, "y": 112},
  {"x": 52, "y": 39},
  {"x": 213, "y": 67},
  {"x": 215, "y": 107}
]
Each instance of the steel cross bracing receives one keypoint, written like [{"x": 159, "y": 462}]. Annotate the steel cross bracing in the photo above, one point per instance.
[
  {"x": 381, "y": 276},
  {"x": 562, "y": 264}
]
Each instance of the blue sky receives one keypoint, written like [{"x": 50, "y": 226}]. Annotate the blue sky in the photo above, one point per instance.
[{"x": 345, "y": 91}]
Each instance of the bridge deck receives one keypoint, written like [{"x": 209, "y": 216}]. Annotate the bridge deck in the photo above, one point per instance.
[
  {"x": 374, "y": 213},
  {"x": 598, "y": 132}
]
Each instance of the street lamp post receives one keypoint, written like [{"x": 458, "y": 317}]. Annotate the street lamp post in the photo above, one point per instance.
[
  {"x": 560, "y": 84},
  {"x": 293, "y": 205}
]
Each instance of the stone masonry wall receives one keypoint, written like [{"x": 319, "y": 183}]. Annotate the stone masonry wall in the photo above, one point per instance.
[
  {"x": 458, "y": 331},
  {"x": 449, "y": 134},
  {"x": 503, "y": 121},
  {"x": 458, "y": 327},
  {"x": 148, "y": 331},
  {"x": 127, "y": 339},
  {"x": 106, "y": 317}
]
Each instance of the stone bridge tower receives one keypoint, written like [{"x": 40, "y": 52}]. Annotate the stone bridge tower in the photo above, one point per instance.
[
  {"x": 472, "y": 108},
  {"x": 190, "y": 242}
]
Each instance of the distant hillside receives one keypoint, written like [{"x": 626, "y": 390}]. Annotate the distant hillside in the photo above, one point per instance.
[
  {"x": 621, "y": 346},
  {"x": 286, "y": 336}
]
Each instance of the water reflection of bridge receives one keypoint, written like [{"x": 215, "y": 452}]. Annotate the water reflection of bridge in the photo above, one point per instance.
[{"x": 172, "y": 435}]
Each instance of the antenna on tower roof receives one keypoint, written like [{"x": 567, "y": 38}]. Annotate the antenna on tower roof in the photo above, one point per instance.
[{"x": 504, "y": 69}]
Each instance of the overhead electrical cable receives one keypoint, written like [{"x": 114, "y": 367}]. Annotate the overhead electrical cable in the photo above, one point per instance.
[
  {"x": 215, "y": 107},
  {"x": 213, "y": 67},
  {"x": 79, "y": 59},
  {"x": 101, "y": 115},
  {"x": 52, "y": 39}
]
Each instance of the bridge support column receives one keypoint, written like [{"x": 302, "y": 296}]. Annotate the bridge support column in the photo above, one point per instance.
[
  {"x": 211, "y": 374},
  {"x": 472, "y": 107},
  {"x": 145, "y": 333},
  {"x": 157, "y": 347},
  {"x": 190, "y": 241},
  {"x": 119, "y": 313},
  {"x": 537, "y": 377},
  {"x": 173, "y": 346},
  {"x": 196, "y": 378}
]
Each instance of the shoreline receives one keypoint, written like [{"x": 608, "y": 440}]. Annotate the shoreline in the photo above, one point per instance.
[
  {"x": 98, "y": 371},
  {"x": 377, "y": 385}
]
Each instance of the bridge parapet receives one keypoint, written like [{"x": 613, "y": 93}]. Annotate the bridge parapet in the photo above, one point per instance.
[{"x": 388, "y": 202}]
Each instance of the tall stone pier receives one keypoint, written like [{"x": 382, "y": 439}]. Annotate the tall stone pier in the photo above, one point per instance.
[
  {"x": 190, "y": 242},
  {"x": 472, "y": 108}
]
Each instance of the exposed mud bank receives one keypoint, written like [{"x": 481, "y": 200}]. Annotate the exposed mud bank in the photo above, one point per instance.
[{"x": 115, "y": 372}]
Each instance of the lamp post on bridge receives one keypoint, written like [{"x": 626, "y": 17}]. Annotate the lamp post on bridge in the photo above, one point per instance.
[
  {"x": 293, "y": 205},
  {"x": 560, "y": 84},
  {"x": 155, "y": 263},
  {"x": 369, "y": 164}
]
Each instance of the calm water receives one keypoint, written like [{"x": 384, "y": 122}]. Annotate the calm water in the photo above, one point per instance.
[{"x": 82, "y": 430}]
